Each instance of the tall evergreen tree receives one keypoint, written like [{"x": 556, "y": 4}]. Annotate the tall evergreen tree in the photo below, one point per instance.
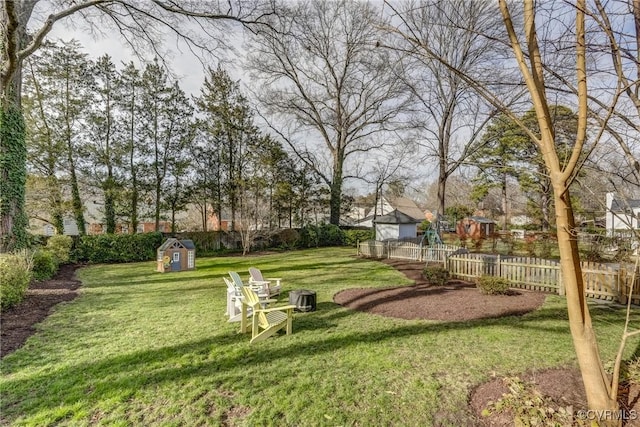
[
  {"x": 508, "y": 152},
  {"x": 166, "y": 114},
  {"x": 131, "y": 139},
  {"x": 228, "y": 128},
  {"x": 500, "y": 147},
  {"x": 58, "y": 100},
  {"x": 104, "y": 154},
  {"x": 44, "y": 151},
  {"x": 71, "y": 99}
]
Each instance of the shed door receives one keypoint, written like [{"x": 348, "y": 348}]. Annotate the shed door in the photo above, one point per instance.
[{"x": 175, "y": 261}]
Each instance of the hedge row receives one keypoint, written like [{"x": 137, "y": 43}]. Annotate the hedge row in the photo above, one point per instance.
[
  {"x": 115, "y": 248},
  {"x": 118, "y": 248}
]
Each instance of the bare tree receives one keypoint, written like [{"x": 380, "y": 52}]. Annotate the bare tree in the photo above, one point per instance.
[
  {"x": 140, "y": 23},
  {"x": 535, "y": 62},
  {"x": 448, "y": 113},
  {"x": 323, "y": 77}
]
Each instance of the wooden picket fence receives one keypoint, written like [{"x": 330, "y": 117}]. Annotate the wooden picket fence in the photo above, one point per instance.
[
  {"x": 602, "y": 281},
  {"x": 528, "y": 273},
  {"x": 405, "y": 250}
]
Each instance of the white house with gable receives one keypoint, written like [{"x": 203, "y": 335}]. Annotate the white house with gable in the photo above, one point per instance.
[{"x": 622, "y": 214}]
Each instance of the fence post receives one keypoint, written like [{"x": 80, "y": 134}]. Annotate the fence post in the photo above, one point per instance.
[
  {"x": 498, "y": 267},
  {"x": 622, "y": 284},
  {"x": 560, "y": 283}
]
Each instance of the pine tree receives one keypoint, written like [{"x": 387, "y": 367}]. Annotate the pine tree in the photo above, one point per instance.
[
  {"x": 166, "y": 114},
  {"x": 104, "y": 153}
]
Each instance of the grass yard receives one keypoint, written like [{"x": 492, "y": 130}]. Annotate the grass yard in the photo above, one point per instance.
[{"x": 144, "y": 348}]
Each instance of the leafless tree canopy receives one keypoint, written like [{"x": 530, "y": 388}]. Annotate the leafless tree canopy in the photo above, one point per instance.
[
  {"x": 439, "y": 39},
  {"x": 323, "y": 76},
  {"x": 141, "y": 23}
]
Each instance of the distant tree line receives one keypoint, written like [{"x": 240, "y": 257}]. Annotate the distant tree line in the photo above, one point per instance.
[{"x": 133, "y": 136}]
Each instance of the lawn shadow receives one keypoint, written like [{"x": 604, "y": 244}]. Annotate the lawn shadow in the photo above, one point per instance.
[{"x": 149, "y": 368}]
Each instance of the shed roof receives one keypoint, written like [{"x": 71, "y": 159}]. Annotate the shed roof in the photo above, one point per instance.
[
  {"x": 173, "y": 243},
  {"x": 396, "y": 217}
]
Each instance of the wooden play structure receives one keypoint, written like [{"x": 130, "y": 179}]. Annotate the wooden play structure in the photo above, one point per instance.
[{"x": 176, "y": 255}]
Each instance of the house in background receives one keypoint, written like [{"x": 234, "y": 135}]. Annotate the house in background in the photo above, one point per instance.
[
  {"x": 386, "y": 206},
  {"x": 622, "y": 214},
  {"x": 94, "y": 217},
  {"x": 396, "y": 225},
  {"x": 475, "y": 227}
]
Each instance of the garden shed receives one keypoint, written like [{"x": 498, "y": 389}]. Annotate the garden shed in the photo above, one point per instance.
[
  {"x": 475, "y": 227},
  {"x": 176, "y": 255},
  {"x": 396, "y": 225}
]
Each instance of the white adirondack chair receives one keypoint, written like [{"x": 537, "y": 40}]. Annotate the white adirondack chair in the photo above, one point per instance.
[{"x": 272, "y": 284}]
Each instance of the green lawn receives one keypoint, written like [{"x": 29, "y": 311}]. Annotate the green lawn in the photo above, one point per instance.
[{"x": 144, "y": 348}]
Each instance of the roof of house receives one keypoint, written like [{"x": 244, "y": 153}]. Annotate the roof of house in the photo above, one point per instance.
[
  {"x": 396, "y": 217},
  {"x": 408, "y": 207},
  {"x": 623, "y": 205}
]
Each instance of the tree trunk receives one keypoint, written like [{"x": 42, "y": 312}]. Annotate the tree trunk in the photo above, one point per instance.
[
  {"x": 134, "y": 204},
  {"x": 595, "y": 379},
  {"x": 442, "y": 186},
  {"x": 335, "y": 200},
  {"x": 13, "y": 178},
  {"x": 157, "y": 201},
  {"x": 53, "y": 186},
  {"x": 13, "y": 149},
  {"x": 109, "y": 203},
  {"x": 545, "y": 205},
  {"x": 505, "y": 203}
]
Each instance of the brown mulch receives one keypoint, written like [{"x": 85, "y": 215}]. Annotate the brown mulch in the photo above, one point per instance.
[
  {"x": 18, "y": 321},
  {"x": 456, "y": 301},
  {"x": 461, "y": 301}
]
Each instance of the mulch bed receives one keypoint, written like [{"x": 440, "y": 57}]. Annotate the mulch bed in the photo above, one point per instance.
[
  {"x": 457, "y": 301},
  {"x": 18, "y": 321}
]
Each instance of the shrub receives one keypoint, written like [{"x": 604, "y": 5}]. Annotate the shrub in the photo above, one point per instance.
[
  {"x": 352, "y": 237},
  {"x": 45, "y": 265},
  {"x": 111, "y": 248},
  {"x": 436, "y": 275},
  {"x": 490, "y": 285},
  {"x": 330, "y": 235},
  {"x": 313, "y": 236},
  {"x": 60, "y": 247},
  {"x": 285, "y": 238},
  {"x": 15, "y": 275}
]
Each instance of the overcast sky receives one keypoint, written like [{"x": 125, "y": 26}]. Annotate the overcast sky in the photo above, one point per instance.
[{"x": 187, "y": 67}]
